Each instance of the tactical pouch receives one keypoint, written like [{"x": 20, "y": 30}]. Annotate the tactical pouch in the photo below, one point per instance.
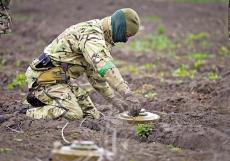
[
  {"x": 52, "y": 76},
  {"x": 31, "y": 99}
]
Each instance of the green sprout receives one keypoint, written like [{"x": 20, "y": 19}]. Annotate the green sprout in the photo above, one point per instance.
[
  {"x": 199, "y": 59},
  {"x": 161, "y": 42},
  {"x": 213, "y": 76},
  {"x": 143, "y": 130},
  {"x": 182, "y": 71},
  {"x": 198, "y": 39},
  {"x": 19, "y": 81},
  {"x": 198, "y": 56},
  {"x": 197, "y": 64},
  {"x": 161, "y": 30},
  {"x": 224, "y": 51},
  {"x": 156, "y": 41},
  {"x": 150, "y": 95},
  {"x": 149, "y": 66},
  {"x": 198, "y": 36}
]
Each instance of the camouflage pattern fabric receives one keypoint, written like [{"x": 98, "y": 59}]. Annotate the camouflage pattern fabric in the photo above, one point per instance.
[
  {"x": 63, "y": 100},
  {"x": 85, "y": 47},
  {"x": 5, "y": 18}
]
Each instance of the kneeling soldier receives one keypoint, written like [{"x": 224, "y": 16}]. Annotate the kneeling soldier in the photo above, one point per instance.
[{"x": 81, "y": 48}]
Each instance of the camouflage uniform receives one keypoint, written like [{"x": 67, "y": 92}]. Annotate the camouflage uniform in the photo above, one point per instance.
[
  {"x": 85, "y": 47},
  {"x": 4, "y": 17}
]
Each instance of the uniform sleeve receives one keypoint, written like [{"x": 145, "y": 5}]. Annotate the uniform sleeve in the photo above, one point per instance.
[
  {"x": 100, "y": 84},
  {"x": 97, "y": 54}
]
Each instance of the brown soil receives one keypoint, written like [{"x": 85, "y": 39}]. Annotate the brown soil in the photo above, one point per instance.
[{"x": 195, "y": 112}]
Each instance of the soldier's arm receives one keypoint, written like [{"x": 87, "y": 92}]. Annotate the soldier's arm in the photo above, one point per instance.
[
  {"x": 97, "y": 54},
  {"x": 100, "y": 84}
]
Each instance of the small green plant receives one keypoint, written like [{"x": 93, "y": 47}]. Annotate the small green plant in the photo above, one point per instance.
[
  {"x": 19, "y": 81},
  {"x": 197, "y": 64},
  {"x": 149, "y": 66},
  {"x": 157, "y": 41},
  {"x": 224, "y": 51},
  {"x": 198, "y": 36},
  {"x": 161, "y": 30},
  {"x": 197, "y": 39},
  {"x": 150, "y": 95},
  {"x": 161, "y": 42},
  {"x": 182, "y": 71},
  {"x": 198, "y": 56},
  {"x": 174, "y": 148},
  {"x": 143, "y": 130},
  {"x": 213, "y": 76}
]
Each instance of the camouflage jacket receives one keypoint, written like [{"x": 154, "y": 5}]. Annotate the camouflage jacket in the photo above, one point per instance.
[
  {"x": 5, "y": 18},
  {"x": 86, "y": 48}
]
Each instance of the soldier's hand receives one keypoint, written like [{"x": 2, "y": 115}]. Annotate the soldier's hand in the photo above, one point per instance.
[
  {"x": 118, "y": 103},
  {"x": 134, "y": 105}
]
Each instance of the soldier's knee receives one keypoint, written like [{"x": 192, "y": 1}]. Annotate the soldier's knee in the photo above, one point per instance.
[{"x": 73, "y": 115}]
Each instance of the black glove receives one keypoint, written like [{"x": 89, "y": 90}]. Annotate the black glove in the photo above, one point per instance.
[{"x": 134, "y": 105}]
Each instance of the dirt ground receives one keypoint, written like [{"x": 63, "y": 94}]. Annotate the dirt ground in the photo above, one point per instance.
[{"x": 195, "y": 112}]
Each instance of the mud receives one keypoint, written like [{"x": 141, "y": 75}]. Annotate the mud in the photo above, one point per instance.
[{"x": 195, "y": 113}]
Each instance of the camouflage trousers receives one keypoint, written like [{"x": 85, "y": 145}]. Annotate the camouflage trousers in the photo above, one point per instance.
[{"x": 63, "y": 100}]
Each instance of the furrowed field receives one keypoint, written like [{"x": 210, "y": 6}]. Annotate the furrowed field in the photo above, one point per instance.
[{"x": 179, "y": 62}]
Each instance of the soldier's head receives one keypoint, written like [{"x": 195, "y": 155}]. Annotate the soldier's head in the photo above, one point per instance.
[{"x": 125, "y": 23}]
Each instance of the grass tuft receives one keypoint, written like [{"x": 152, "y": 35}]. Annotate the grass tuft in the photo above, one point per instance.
[
  {"x": 143, "y": 130},
  {"x": 213, "y": 76},
  {"x": 157, "y": 41},
  {"x": 19, "y": 81}
]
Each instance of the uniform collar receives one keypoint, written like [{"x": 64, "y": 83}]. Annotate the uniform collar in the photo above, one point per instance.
[{"x": 107, "y": 29}]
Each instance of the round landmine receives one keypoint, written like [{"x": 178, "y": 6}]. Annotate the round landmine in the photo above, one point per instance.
[
  {"x": 80, "y": 151},
  {"x": 144, "y": 117}
]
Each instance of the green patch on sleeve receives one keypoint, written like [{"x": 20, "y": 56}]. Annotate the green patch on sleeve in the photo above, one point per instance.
[{"x": 102, "y": 71}]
